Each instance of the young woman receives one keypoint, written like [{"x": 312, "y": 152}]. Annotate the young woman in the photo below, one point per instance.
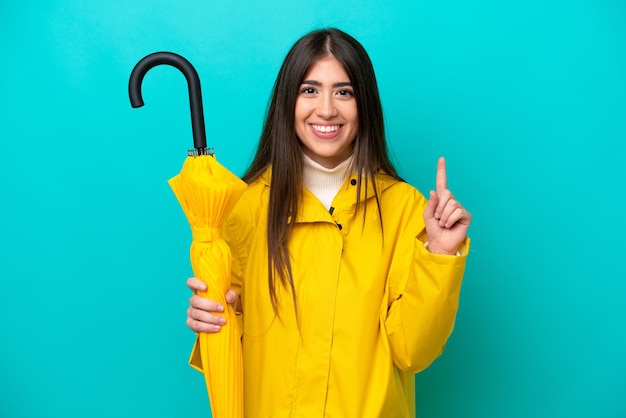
[{"x": 346, "y": 278}]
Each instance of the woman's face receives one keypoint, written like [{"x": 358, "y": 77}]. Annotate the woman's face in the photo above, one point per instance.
[{"x": 326, "y": 113}]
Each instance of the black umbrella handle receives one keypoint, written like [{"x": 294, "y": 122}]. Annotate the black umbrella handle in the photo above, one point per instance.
[{"x": 193, "y": 83}]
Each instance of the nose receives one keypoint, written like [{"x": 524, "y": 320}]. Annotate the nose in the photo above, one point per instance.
[{"x": 326, "y": 106}]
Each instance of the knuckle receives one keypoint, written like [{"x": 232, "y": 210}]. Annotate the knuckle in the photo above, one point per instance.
[
  {"x": 190, "y": 323},
  {"x": 191, "y": 314},
  {"x": 191, "y": 283}
]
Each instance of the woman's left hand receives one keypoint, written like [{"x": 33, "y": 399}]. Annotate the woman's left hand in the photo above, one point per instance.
[{"x": 446, "y": 220}]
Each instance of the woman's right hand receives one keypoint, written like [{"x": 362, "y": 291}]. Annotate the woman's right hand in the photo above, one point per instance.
[{"x": 200, "y": 314}]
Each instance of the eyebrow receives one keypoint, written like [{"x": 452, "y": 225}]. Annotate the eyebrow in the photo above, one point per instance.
[{"x": 318, "y": 84}]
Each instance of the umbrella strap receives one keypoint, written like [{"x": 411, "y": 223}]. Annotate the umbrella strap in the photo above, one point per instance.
[{"x": 206, "y": 234}]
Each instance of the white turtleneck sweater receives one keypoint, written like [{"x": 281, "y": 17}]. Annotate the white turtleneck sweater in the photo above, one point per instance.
[{"x": 324, "y": 182}]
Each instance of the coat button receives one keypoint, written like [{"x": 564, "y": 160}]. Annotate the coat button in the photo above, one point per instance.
[
  {"x": 339, "y": 226},
  {"x": 353, "y": 182}
]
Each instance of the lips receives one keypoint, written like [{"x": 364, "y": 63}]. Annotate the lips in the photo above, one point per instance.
[{"x": 325, "y": 131}]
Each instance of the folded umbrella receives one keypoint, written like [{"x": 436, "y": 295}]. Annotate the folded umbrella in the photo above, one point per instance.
[{"x": 207, "y": 192}]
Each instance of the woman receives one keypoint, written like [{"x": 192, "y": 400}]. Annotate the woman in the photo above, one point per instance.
[{"x": 346, "y": 279}]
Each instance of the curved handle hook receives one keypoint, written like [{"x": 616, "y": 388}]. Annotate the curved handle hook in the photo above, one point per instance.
[{"x": 193, "y": 83}]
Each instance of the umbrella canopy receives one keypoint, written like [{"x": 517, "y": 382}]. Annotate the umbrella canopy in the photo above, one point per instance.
[{"x": 207, "y": 192}]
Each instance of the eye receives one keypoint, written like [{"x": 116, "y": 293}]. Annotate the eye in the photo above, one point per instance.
[
  {"x": 307, "y": 90},
  {"x": 345, "y": 93}
]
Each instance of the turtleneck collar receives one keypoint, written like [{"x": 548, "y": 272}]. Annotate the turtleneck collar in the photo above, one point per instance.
[{"x": 324, "y": 182}]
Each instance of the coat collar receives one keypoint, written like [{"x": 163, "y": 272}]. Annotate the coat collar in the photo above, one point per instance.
[{"x": 312, "y": 210}]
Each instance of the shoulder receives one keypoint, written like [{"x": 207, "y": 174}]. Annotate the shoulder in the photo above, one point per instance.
[
  {"x": 393, "y": 189},
  {"x": 402, "y": 207},
  {"x": 253, "y": 201}
]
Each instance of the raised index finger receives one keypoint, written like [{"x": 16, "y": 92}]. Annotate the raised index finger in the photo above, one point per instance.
[{"x": 441, "y": 180}]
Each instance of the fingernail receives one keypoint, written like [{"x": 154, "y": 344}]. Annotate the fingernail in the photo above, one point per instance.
[
  {"x": 222, "y": 321},
  {"x": 220, "y": 308},
  {"x": 217, "y": 327}
]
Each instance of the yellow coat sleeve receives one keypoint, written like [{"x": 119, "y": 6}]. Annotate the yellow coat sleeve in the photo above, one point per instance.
[{"x": 423, "y": 298}]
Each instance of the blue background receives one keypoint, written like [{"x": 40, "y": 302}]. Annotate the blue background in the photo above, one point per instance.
[{"x": 526, "y": 99}]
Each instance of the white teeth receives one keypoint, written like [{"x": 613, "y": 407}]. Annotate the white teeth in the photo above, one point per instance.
[{"x": 325, "y": 129}]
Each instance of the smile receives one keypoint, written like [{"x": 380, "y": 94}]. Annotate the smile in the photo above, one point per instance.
[{"x": 326, "y": 129}]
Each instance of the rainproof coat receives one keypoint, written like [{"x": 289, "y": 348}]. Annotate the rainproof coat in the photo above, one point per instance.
[{"x": 373, "y": 307}]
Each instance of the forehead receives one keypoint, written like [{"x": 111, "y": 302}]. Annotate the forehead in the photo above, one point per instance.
[{"x": 327, "y": 68}]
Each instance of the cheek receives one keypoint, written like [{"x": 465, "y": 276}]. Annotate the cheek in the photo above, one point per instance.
[
  {"x": 355, "y": 123},
  {"x": 301, "y": 114},
  {"x": 352, "y": 114},
  {"x": 299, "y": 122}
]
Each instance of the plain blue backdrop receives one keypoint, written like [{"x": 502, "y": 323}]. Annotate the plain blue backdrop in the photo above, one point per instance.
[{"x": 526, "y": 99}]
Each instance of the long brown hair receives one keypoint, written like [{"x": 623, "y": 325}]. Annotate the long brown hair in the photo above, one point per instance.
[{"x": 280, "y": 149}]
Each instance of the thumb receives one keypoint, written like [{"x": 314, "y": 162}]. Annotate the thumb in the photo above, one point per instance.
[
  {"x": 429, "y": 211},
  {"x": 231, "y": 296}
]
